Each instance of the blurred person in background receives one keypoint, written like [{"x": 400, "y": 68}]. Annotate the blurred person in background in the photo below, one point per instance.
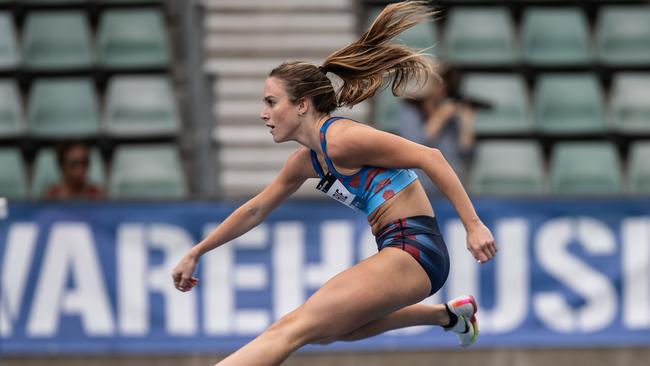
[
  {"x": 438, "y": 116},
  {"x": 369, "y": 171},
  {"x": 74, "y": 162}
]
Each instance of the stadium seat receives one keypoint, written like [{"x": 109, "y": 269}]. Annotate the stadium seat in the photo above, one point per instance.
[
  {"x": 63, "y": 108},
  {"x": 638, "y": 172},
  {"x": 127, "y": 1},
  {"x": 46, "y": 171},
  {"x": 421, "y": 36},
  {"x": 555, "y": 36},
  {"x": 630, "y": 103},
  {"x": 140, "y": 106},
  {"x": 133, "y": 38},
  {"x": 54, "y": 2},
  {"x": 57, "y": 40},
  {"x": 623, "y": 35},
  {"x": 386, "y": 111},
  {"x": 11, "y": 115},
  {"x": 585, "y": 168},
  {"x": 13, "y": 180},
  {"x": 9, "y": 55},
  {"x": 507, "y": 168},
  {"x": 507, "y": 95},
  {"x": 147, "y": 172},
  {"x": 569, "y": 104},
  {"x": 480, "y": 36}
]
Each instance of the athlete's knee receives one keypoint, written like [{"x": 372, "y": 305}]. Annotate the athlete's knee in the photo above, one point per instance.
[{"x": 299, "y": 327}]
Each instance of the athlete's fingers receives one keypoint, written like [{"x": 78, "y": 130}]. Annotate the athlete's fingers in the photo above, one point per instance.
[
  {"x": 478, "y": 254},
  {"x": 486, "y": 252},
  {"x": 176, "y": 277},
  {"x": 493, "y": 248}
]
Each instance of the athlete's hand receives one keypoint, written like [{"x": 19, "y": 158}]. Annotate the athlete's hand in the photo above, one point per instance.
[
  {"x": 182, "y": 274},
  {"x": 480, "y": 243}
]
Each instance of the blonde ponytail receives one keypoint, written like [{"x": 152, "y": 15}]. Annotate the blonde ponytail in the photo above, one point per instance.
[{"x": 364, "y": 65}]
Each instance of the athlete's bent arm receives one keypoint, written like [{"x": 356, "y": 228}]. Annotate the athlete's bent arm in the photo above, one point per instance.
[
  {"x": 357, "y": 145},
  {"x": 293, "y": 174}
]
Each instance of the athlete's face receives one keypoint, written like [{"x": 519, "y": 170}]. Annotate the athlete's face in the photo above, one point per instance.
[{"x": 278, "y": 113}]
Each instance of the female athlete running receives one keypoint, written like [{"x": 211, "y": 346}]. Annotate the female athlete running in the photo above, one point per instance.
[{"x": 369, "y": 171}]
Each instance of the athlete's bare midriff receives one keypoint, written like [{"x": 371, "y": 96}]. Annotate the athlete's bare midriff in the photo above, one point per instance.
[{"x": 410, "y": 201}]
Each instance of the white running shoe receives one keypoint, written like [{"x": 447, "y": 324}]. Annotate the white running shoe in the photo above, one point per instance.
[{"x": 465, "y": 308}]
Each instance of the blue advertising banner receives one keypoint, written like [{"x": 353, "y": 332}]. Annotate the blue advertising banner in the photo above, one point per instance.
[{"x": 95, "y": 278}]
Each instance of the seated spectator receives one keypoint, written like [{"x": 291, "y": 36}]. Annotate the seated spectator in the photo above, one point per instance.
[
  {"x": 438, "y": 117},
  {"x": 74, "y": 161}
]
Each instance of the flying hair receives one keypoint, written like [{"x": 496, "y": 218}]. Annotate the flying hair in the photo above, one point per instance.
[{"x": 365, "y": 66}]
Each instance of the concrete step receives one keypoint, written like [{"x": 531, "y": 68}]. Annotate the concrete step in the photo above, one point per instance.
[
  {"x": 231, "y": 45},
  {"x": 250, "y": 136},
  {"x": 250, "y": 183},
  {"x": 255, "y": 158},
  {"x": 277, "y": 5},
  {"x": 249, "y": 110},
  {"x": 238, "y": 88},
  {"x": 219, "y": 23},
  {"x": 251, "y": 67}
]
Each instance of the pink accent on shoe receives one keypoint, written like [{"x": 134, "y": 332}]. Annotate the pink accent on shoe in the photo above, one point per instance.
[{"x": 469, "y": 300}]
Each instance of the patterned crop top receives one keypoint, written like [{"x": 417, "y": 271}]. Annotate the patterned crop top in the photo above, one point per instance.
[{"x": 366, "y": 189}]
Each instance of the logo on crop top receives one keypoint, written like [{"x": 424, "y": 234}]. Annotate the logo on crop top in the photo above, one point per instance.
[{"x": 339, "y": 196}]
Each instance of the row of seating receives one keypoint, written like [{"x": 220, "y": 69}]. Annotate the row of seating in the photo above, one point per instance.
[
  {"x": 508, "y": 168},
  {"x": 547, "y": 36},
  {"x": 134, "y": 106},
  {"x": 576, "y": 168},
  {"x": 66, "y": 2},
  {"x": 562, "y": 104},
  {"x": 62, "y": 40},
  {"x": 137, "y": 172}
]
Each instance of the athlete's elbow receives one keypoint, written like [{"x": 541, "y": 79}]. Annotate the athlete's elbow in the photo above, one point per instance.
[{"x": 432, "y": 156}]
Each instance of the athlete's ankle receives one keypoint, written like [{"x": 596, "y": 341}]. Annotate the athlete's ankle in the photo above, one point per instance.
[{"x": 453, "y": 318}]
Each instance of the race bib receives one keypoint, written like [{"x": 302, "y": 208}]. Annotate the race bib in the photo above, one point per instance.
[{"x": 336, "y": 190}]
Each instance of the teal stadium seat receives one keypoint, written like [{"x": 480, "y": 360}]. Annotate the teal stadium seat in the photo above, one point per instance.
[
  {"x": 423, "y": 36},
  {"x": 585, "y": 168},
  {"x": 46, "y": 171},
  {"x": 630, "y": 103},
  {"x": 140, "y": 106},
  {"x": 623, "y": 35},
  {"x": 133, "y": 38},
  {"x": 11, "y": 112},
  {"x": 9, "y": 55},
  {"x": 480, "y": 36},
  {"x": 54, "y": 2},
  {"x": 638, "y": 172},
  {"x": 63, "y": 108},
  {"x": 569, "y": 104},
  {"x": 507, "y": 168},
  {"x": 555, "y": 36},
  {"x": 386, "y": 111},
  {"x": 508, "y": 98},
  {"x": 57, "y": 40},
  {"x": 13, "y": 180},
  {"x": 127, "y": 1},
  {"x": 147, "y": 172}
]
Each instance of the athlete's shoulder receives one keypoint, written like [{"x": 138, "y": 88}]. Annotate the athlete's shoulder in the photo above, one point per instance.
[
  {"x": 301, "y": 154},
  {"x": 298, "y": 164},
  {"x": 341, "y": 137}
]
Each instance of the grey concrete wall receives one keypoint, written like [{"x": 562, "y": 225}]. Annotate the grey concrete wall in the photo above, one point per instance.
[{"x": 492, "y": 357}]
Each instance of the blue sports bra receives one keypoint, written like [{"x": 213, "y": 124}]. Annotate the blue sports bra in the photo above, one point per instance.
[{"x": 365, "y": 190}]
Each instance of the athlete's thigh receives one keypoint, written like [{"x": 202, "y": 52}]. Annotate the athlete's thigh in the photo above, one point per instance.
[{"x": 381, "y": 284}]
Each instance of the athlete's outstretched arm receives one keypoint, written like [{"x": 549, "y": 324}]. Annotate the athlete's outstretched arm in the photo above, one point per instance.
[
  {"x": 355, "y": 145},
  {"x": 295, "y": 171}
]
